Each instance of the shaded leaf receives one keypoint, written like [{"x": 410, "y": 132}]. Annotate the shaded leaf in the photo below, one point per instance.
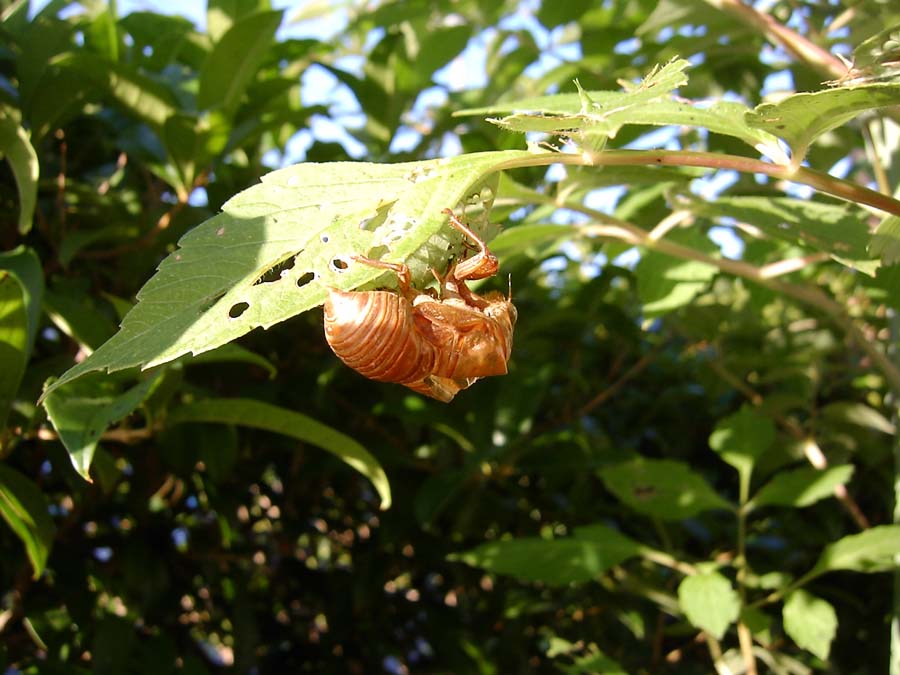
[
  {"x": 13, "y": 341},
  {"x": 554, "y": 561},
  {"x": 666, "y": 283},
  {"x": 24, "y": 508},
  {"x": 235, "y": 60},
  {"x": 299, "y": 220},
  {"x": 709, "y": 602},
  {"x": 82, "y": 411},
  {"x": 802, "y": 487},
  {"x": 810, "y": 622},
  {"x": 25, "y": 266},
  {"x": 663, "y": 488},
  {"x": 136, "y": 93},
  {"x": 833, "y": 228},
  {"x": 16, "y": 148},
  {"x": 260, "y": 415}
]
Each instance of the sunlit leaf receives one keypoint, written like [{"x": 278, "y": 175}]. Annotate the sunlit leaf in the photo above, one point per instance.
[
  {"x": 24, "y": 508},
  {"x": 810, "y": 622},
  {"x": 886, "y": 240},
  {"x": 874, "y": 550},
  {"x": 802, "y": 487},
  {"x": 663, "y": 488},
  {"x": 742, "y": 438},
  {"x": 303, "y": 222},
  {"x": 801, "y": 118},
  {"x": 709, "y": 602}
]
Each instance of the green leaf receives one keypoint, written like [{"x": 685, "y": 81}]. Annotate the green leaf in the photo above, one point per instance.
[
  {"x": 662, "y": 488},
  {"x": 234, "y": 353},
  {"x": 13, "y": 341},
  {"x": 522, "y": 237},
  {"x": 15, "y": 146},
  {"x": 137, "y": 94},
  {"x": 858, "y": 414},
  {"x": 75, "y": 313},
  {"x": 802, "y": 487},
  {"x": 576, "y": 559},
  {"x": 801, "y": 118},
  {"x": 235, "y": 60},
  {"x": 885, "y": 242},
  {"x": 597, "y": 663},
  {"x": 742, "y": 438},
  {"x": 25, "y": 266},
  {"x": 220, "y": 283},
  {"x": 82, "y": 411},
  {"x": 24, "y": 508},
  {"x": 605, "y": 112},
  {"x": 874, "y": 550},
  {"x": 810, "y": 622},
  {"x": 666, "y": 283},
  {"x": 833, "y": 228},
  {"x": 709, "y": 602},
  {"x": 260, "y": 415}
]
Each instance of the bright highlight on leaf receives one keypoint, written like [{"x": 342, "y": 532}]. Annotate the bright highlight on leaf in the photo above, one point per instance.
[{"x": 276, "y": 246}]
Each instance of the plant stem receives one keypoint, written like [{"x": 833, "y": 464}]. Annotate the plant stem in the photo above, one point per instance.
[{"x": 817, "y": 180}]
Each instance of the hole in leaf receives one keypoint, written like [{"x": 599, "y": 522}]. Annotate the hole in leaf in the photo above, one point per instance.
[
  {"x": 324, "y": 238},
  {"x": 238, "y": 309},
  {"x": 275, "y": 272},
  {"x": 305, "y": 279},
  {"x": 338, "y": 265}
]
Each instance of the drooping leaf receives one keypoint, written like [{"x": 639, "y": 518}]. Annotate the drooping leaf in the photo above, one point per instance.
[
  {"x": 260, "y": 415},
  {"x": 810, "y": 621},
  {"x": 709, "y": 602},
  {"x": 82, "y": 411},
  {"x": 665, "y": 488},
  {"x": 554, "y": 561},
  {"x": 802, "y": 487},
  {"x": 13, "y": 341},
  {"x": 801, "y": 118},
  {"x": 24, "y": 508},
  {"x": 874, "y": 550},
  {"x": 16, "y": 148},
  {"x": 306, "y": 221}
]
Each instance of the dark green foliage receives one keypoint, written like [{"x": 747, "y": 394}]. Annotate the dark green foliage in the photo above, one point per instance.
[{"x": 656, "y": 474}]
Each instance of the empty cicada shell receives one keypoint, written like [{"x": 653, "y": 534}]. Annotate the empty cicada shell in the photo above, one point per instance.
[{"x": 436, "y": 345}]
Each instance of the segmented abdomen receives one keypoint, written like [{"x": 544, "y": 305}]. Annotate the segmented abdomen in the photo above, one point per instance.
[{"x": 373, "y": 332}]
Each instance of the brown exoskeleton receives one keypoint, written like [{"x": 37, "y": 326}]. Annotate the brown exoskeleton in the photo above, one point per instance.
[{"x": 435, "y": 344}]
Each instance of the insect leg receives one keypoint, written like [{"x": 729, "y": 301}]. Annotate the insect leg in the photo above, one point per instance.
[
  {"x": 483, "y": 265},
  {"x": 401, "y": 270}
]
